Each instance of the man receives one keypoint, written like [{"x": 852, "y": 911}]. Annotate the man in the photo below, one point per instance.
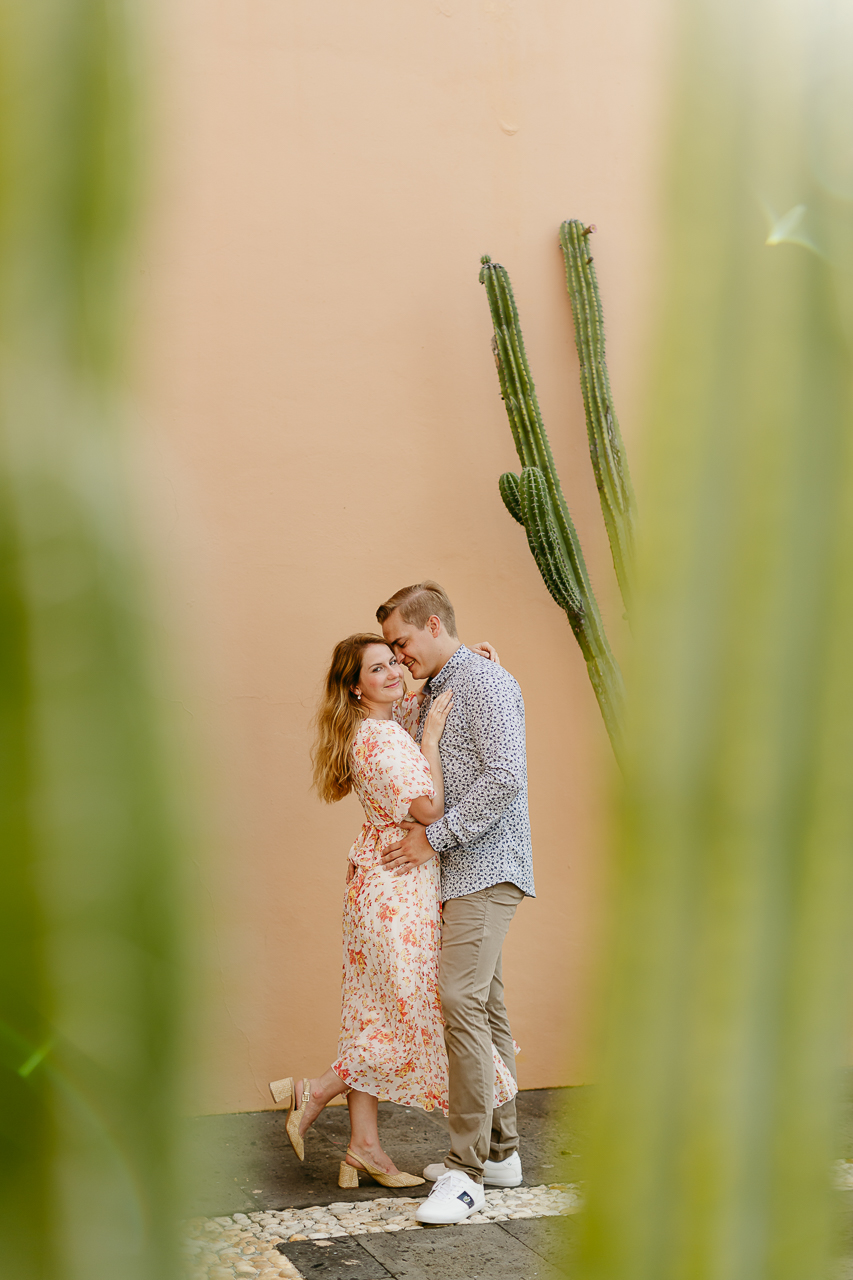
[{"x": 483, "y": 843}]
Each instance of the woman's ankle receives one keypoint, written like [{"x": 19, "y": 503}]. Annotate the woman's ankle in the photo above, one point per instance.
[
  {"x": 371, "y": 1152},
  {"x": 323, "y": 1090}
]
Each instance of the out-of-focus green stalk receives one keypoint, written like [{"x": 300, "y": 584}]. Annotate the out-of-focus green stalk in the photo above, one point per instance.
[
  {"x": 88, "y": 931},
  {"x": 728, "y": 1011}
]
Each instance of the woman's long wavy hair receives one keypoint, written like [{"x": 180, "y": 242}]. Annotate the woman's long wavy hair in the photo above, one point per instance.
[{"x": 339, "y": 715}]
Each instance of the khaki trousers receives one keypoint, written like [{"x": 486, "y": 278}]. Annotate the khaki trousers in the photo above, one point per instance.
[{"x": 473, "y": 929}]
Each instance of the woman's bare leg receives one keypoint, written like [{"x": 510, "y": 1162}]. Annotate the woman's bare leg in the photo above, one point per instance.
[
  {"x": 323, "y": 1089},
  {"x": 364, "y": 1129}
]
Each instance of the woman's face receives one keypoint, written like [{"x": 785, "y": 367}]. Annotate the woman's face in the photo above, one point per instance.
[{"x": 380, "y": 682}]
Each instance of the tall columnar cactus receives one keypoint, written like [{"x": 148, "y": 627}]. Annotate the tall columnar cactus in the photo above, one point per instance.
[
  {"x": 536, "y": 501},
  {"x": 605, "y": 441}
]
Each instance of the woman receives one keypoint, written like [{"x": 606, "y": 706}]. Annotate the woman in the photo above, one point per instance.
[{"x": 391, "y": 1045}]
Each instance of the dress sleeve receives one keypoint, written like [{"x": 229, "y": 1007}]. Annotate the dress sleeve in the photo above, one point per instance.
[
  {"x": 407, "y": 713},
  {"x": 395, "y": 771}
]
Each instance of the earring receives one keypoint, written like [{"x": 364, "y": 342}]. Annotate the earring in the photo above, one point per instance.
[{"x": 358, "y": 695}]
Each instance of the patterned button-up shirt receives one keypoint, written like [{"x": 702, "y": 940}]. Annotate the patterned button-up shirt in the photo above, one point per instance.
[{"x": 484, "y": 836}]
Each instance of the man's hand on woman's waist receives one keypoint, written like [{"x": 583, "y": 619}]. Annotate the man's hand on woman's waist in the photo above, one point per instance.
[{"x": 409, "y": 853}]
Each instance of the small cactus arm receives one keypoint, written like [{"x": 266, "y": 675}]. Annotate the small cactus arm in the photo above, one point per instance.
[
  {"x": 537, "y": 501},
  {"x": 606, "y": 449},
  {"x": 508, "y": 485}
]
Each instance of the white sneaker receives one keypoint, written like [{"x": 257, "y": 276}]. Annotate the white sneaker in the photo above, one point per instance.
[
  {"x": 454, "y": 1198},
  {"x": 502, "y": 1173},
  {"x": 496, "y": 1173}
]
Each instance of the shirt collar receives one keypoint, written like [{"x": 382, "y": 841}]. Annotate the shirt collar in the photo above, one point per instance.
[{"x": 439, "y": 680}]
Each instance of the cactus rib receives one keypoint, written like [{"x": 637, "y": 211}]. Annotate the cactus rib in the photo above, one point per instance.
[
  {"x": 607, "y": 452},
  {"x": 522, "y": 406},
  {"x": 542, "y": 538},
  {"x": 604, "y": 674}
]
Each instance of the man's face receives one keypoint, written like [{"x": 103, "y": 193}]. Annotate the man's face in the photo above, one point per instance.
[{"x": 418, "y": 650}]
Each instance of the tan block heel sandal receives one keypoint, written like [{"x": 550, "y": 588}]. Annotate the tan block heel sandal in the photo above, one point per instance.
[
  {"x": 284, "y": 1091},
  {"x": 348, "y": 1175}
]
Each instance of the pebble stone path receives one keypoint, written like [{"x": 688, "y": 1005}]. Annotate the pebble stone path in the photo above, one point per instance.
[{"x": 243, "y": 1245}]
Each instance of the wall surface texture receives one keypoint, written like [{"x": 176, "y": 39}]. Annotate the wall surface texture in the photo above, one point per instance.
[{"x": 320, "y": 424}]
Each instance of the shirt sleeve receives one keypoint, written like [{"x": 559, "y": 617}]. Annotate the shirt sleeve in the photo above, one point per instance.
[
  {"x": 496, "y": 720},
  {"x": 395, "y": 771}
]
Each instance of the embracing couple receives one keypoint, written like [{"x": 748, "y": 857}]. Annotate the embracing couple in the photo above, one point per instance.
[{"x": 433, "y": 882}]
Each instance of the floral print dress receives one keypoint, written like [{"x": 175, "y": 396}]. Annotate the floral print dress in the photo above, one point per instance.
[{"x": 392, "y": 1040}]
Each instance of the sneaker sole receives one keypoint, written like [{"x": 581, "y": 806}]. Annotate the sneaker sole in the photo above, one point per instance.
[
  {"x": 450, "y": 1222},
  {"x": 493, "y": 1182}
]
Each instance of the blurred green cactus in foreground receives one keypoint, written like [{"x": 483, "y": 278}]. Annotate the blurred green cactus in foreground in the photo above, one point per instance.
[
  {"x": 536, "y": 499},
  {"x": 726, "y": 1012},
  {"x": 89, "y": 910}
]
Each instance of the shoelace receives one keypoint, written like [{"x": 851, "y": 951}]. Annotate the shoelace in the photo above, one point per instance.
[{"x": 449, "y": 1186}]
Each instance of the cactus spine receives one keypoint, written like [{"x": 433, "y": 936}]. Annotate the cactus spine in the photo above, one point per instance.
[
  {"x": 536, "y": 500},
  {"x": 605, "y": 441}
]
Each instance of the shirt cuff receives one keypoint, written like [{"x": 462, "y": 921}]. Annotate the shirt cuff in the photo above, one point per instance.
[{"x": 440, "y": 836}]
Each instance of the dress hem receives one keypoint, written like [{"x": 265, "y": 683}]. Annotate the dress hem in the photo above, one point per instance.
[{"x": 350, "y": 1078}]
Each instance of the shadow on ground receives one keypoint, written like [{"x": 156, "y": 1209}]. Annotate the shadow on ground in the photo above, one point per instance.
[{"x": 244, "y": 1163}]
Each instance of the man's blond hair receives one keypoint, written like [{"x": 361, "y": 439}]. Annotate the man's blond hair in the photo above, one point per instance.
[{"x": 418, "y": 603}]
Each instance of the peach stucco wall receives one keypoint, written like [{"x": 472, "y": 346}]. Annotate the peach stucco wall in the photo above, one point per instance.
[{"x": 320, "y": 423}]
